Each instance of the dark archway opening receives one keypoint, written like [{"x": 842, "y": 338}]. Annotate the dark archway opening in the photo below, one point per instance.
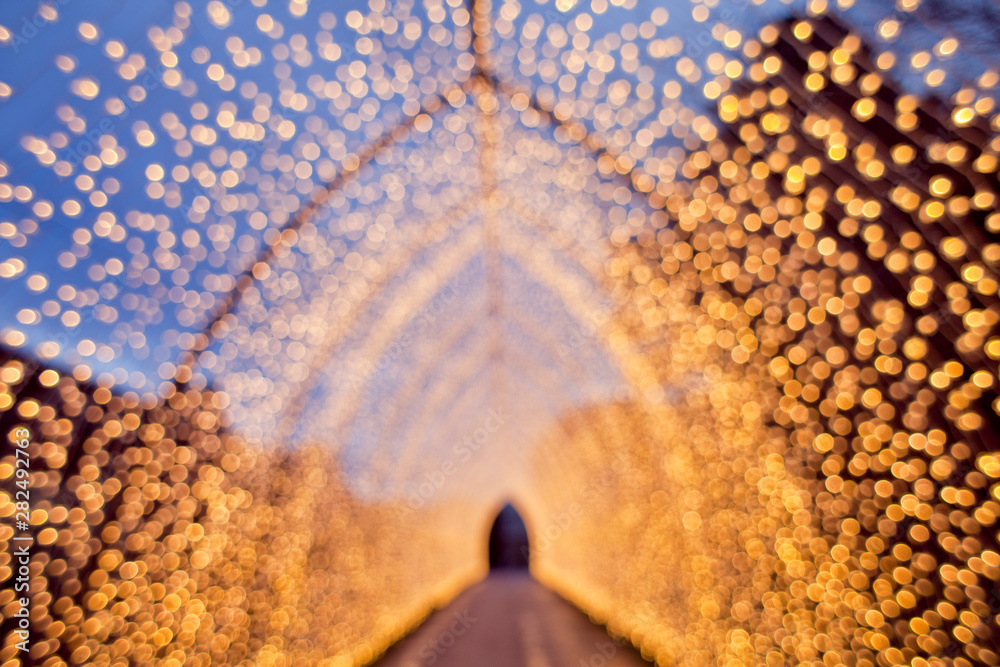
[{"x": 508, "y": 541}]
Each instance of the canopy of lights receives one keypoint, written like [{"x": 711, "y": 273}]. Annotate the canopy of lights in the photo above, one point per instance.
[{"x": 296, "y": 295}]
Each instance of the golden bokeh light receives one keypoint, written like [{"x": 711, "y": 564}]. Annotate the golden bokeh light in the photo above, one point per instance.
[{"x": 273, "y": 248}]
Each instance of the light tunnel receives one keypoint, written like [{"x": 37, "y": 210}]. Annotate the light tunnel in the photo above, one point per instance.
[{"x": 308, "y": 306}]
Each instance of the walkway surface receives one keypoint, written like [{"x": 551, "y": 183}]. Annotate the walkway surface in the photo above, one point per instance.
[{"x": 510, "y": 620}]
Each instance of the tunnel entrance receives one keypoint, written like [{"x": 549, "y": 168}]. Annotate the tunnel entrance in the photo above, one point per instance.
[{"x": 508, "y": 541}]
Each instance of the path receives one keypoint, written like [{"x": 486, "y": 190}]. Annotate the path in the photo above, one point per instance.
[{"x": 510, "y": 620}]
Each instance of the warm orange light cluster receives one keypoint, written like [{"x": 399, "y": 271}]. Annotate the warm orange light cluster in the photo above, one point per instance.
[
  {"x": 161, "y": 539},
  {"x": 825, "y": 304}
]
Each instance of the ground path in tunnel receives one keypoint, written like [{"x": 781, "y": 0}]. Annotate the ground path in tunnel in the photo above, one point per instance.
[{"x": 510, "y": 620}]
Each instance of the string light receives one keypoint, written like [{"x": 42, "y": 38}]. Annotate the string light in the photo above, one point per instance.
[{"x": 783, "y": 262}]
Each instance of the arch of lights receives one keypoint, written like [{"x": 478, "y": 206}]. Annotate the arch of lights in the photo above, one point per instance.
[{"x": 293, "y": 297}]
